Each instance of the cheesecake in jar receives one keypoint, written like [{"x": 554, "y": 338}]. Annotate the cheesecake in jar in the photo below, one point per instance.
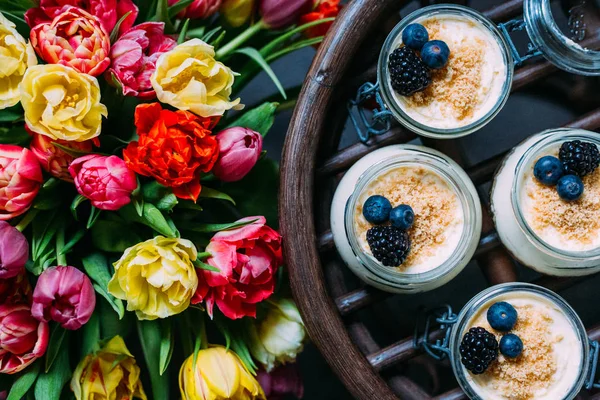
[
  {"x": 406, "y": 218},
  {"x": 533, "y": 345},
  {"x": 545, "y": 227},
  {"x": 458, "y": 96}
]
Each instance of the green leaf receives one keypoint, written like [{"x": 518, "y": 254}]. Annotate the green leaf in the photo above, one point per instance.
[
  {"x": 49, "y": 385},
  {"x": 24, "y": 382},
  {"x": 90, "y": 335},
  {"x": 56, "y": 339},
  {"x": 207, "y": 228},
  {"x": 183, "y": 32},
  {"x": 160, "y": 195},
  {"x": 8, "y": 115},
  {"x": 257, "y": 192},
  {"x": 50, "y": 196},
  {"x": 116, "y": 83},
  {"x": 137, "y": 198},
  {"x": 76, "y": 202},
  {"x": 167, "y": 343},
  {"x": 197, "y": 32},
  {"x": 259, "y": 59},
  {"x": 205, "y": 266},
  {"x": 209, "y": 193},
  {"x": 114, "y": 35},
  {"x": 150, "y": 338},
  {"x": 94, "y": 214},
  {"x": 162, "y": 14},
  {"x": 294, "y": 47},
  {"x": 179, "y": 6},
  {"x": 45, "y": 226},
  {"x": 110, "y": 324},
  {"x": 97, "y": 268},
  {"x": 209, "y": 35},
  {"x": 151, "y": 217},
  {"x": 70, "y": 151},
  {"x": 259, "y": 119},
  {"x": 270, "y": 48},
  {"x": 16, "y": 135},
  {"x": 113, "y": 236},
  {"x": 72, "y": 242}
]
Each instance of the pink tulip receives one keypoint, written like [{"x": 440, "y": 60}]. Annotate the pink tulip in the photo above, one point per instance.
[
  {"x": 64, "y": 295},
  {"x": 23, "y": 339},
  {"x": 199, "y": 8},
  {"x": 279, "y": 14},
  {"x": 239, "y": 150},
  {"x": 53, "y": 159},
  {"x": 14, "y": 251},
  {"x": 134, "y": 58},
  {"x": 20, "y": 180},
  {"x": 106, "y": 181},
  {"x": 73, "y": 38},
  {"x": 107, "y": 11},
  {"x": 282, "y": 381}
]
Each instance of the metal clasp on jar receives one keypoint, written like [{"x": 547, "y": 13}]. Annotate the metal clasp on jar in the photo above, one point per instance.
[{"x": 435, "y": 338}]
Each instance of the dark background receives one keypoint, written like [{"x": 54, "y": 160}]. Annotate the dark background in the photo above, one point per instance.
[{"x": 547, "y": 104}]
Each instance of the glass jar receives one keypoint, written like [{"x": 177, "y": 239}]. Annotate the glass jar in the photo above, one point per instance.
[
  {"x": 574, "y": 376},
  {"x": 507, "y": 209},
  {"x": 394, "y": 102},
  {"x": 343, "y": 208}
]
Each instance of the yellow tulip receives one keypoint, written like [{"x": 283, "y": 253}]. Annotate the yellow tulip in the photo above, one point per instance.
[
  {"x": 62, "y": 103},
  {"x": 189, "y": 78},
  {"x": 111, "y": 373},
  {"x": 237, "y": 12},
  {"x": 218, "y": 374},
  {"x": 277, "y": 338},
  {"x": 16, "y": 55},
  {"x": 156, "y": 277}
]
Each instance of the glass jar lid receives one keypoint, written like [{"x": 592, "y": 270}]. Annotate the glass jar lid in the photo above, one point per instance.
[{"x": 567, "y": 32}]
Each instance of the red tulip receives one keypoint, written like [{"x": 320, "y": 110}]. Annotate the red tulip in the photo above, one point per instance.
[
  {"x": 53, "y": 159},
  {"x": 239, "y": 150},
  {"x": 23, "y": 339},
  {"x": 20, "y": 180},
  {"x": 14, "y": 251},
  {"x": 64, "y": 295},
  {"x": 199, "y": 8},
  {"x": 324, "y": 9},
  {"x": 279, "y": 14}
]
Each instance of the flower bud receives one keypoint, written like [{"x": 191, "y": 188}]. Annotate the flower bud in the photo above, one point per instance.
[
  {"x": 239, "y": 150},
  {"x": 237, "y": 12},
  {"x": 198, "y": 9},
  {"x": 106, "y": 181},
  {"x": 65, "y": 295},
  {"x": 23, "y": 339},
  {"x": 281, "y": 382},
  {"x": 14, "y": 251},
  {"x": 53, "y": 159},
  {"x": 20, "y": 180},
  {"x": 278, "y": 337},
  {"x": 279, "y": 14}
]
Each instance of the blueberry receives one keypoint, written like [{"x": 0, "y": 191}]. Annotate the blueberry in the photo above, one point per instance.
[
  {"x": 548, "y": 170},
  {"x": 415, "y": 36},
  {"x": 502, "y": 316},
  {"x": 511, "y": 345},
  {"x": 435, "y": 54},
  {"x": 377, "y": 209},
  {"x": 570, "y": 187},
  {"x": 402, "y": 216}
]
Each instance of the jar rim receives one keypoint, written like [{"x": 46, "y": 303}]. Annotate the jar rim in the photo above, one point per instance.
[
  {"x": 403, "y": 117},
  {"x": 547, "y": 139},
  {"x": 446, "y": 170},
  {"x": 559, "y": 49},
  {"x": 483, "y": 297}
]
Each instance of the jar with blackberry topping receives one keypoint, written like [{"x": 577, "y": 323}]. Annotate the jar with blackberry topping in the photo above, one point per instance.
[{"x": 406, "y": 219}]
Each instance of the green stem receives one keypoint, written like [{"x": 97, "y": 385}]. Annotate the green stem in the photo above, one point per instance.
[
  {"x": 203, "y": 255},
  {"x": 240, "y": 39},
  {"x": 286, "y": 105},
  {"x": 203, "y": 336},
  {"x": 26, "y": 220},
  {"x": 61, "y": 259}
]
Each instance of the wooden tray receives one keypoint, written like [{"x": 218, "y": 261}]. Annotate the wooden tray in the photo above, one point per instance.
[{"x": 340, "y": 312}]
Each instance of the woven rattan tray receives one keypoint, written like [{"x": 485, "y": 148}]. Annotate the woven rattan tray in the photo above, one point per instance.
[{"x": 341, "y": 313}]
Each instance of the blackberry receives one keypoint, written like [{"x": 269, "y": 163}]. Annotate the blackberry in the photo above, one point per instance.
[
  {"x": 408, "y": 72},
  {"x": 389, "y": 245},
  {"x": 478, "y": 349},
  {"x": 579, "y": 158}
]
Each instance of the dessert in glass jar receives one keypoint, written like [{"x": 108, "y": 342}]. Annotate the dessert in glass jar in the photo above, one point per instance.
[
  {"x": 445, "y": 71},
  {"x": 406, "y": 218},
  {"x": 545, "y": 200},
  {"x": 519, "y": 341}
]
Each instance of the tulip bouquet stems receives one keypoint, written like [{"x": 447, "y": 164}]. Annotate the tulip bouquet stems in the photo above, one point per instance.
[{"x": 138, "y": 246}]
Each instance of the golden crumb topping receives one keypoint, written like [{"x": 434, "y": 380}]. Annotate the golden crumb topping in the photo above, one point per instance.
[
  {"x": 520, "y": 378},
  {"x": 458, "y": 83},
  {"x": 434, "y": 203},
  {"x": 577, "y": 221}
]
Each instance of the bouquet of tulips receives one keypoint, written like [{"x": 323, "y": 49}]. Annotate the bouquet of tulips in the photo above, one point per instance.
[{"x": 137, "y": 207}]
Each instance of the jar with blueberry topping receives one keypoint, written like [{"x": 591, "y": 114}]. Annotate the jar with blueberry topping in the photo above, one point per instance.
[
  {"x": 545, "y": 201},
  {"x": 429, "y": 220}
]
